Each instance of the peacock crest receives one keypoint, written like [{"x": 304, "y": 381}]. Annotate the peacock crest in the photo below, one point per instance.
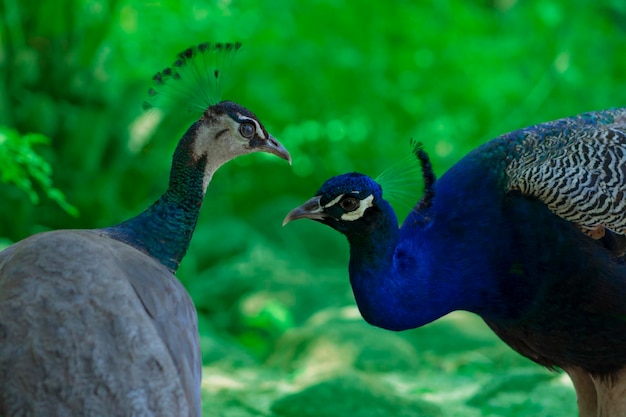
[
  {"x": 400, "y": 182},
  {"x": 194, "y": 80}
]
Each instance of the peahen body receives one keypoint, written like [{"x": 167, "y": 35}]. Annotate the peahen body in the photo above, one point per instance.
[
  {"x": 94, "y": 322},
  {"x": 527, "y": 231}
]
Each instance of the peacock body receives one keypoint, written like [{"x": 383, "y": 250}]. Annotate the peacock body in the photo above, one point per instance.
[
  {"x": 94, "y": 322},
  {"x": 526, "y": 231}
]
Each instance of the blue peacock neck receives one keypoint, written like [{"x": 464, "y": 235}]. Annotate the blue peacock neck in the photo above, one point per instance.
[
  {"x": 442, "y": 259},
  {"x": 164, "y": 230},
  {"x": 388, "y": 278}
]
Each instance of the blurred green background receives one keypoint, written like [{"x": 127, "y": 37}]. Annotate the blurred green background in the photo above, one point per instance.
[{"x": 344, "y": 86}]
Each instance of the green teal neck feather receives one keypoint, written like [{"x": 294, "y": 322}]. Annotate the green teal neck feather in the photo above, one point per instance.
[{"x": 164, "y": 230}]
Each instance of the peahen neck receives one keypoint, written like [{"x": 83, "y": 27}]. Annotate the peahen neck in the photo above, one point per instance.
[{"x": 164, "y": 230}]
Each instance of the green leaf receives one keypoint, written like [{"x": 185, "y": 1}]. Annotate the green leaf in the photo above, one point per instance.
[{"x": 23, "y": 167}]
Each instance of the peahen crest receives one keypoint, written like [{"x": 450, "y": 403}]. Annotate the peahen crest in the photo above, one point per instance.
[
  {"x": 193, "y": 81},
  {"x": 400, "y": 182}
]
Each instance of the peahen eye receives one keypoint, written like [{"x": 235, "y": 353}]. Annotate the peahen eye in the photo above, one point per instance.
[
  {"x": 349, "y": 204},
  {"x": 247, "y": 130}
]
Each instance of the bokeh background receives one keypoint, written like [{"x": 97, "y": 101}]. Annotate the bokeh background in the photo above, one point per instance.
[{"x": 344, "y": 85}]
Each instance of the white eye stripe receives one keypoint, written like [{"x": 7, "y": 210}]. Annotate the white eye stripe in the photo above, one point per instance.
[
  {"x": 257, "y": 126},
  {"x": 333, "y": 201},
  {"x": 366, "y": 203}
]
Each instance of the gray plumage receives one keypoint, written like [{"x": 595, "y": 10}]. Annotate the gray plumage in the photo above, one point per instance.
[{"x": 81, "y": 311}]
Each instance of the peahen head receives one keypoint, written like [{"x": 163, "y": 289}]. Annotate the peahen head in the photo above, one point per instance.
[
  {"x": 350, "y": 203},
  {"x": 227, "y": 130},
  {"x": 239, "y": 132},
  {"x": 223, "y": 131}
]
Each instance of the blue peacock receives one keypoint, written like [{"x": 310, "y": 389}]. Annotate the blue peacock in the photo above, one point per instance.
[
  {"x": 94, "y": 322},
  {"x": 527, "y": 231}
]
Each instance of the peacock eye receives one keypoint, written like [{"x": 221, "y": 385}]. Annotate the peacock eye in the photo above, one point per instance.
[
  {"x": 247, "y": 130},
  {"x": 349, "y": 204}
]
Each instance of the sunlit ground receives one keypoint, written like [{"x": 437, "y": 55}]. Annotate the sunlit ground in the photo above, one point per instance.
[{"x": 345, "y": 367}]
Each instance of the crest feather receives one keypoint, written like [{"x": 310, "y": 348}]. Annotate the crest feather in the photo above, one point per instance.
[
  {"x": 400, "y": 182},
  {"x": 194, "y": 78}
]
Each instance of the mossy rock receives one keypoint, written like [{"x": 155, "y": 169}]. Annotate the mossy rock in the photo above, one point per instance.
[
  {"x": 526, "y": 394},
  {"x": 348, "y": 343},
  {"x": 457, "y": 332},
  {"x": 351, "y": 395},
  {"x": 218, "y": 347},
  {"x": 226, "y": 404},
  {"x": 514, "y": 383}
]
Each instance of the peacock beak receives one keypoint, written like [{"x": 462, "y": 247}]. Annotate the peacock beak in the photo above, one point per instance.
[
  {"x": 271, "y": 145},
  {"x": 312, "y": 209}
]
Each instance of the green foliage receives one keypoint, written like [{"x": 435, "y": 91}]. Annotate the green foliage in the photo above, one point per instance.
[
  {"x": 351, "y": 396},
  {"x": 22, "y": 166},
  {"x": 345, "y": 86}
]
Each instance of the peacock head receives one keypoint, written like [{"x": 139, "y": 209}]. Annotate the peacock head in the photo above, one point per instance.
[
  {"x": 348, "y": 203},
  {"x": 353, "y": 203}
]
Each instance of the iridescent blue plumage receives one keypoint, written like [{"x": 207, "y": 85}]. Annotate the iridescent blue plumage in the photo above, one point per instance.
[{"x": 524, "y": 231}]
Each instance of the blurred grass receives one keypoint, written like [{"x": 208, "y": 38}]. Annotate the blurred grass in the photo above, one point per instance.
[{"x": 344, "y": 87}]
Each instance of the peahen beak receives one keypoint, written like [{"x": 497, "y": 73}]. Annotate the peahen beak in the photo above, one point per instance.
[
  {"x": 312, "y": 209},
  {"x": 271, "y": 145}
]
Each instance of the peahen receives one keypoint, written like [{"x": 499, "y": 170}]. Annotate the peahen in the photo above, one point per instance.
[
  {"x": 94, "y": 322},
  {"x": 527, "y": 231}
]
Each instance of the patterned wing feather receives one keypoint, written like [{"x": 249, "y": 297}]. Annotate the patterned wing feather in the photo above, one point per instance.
[{"x": 576, "y": 166}]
